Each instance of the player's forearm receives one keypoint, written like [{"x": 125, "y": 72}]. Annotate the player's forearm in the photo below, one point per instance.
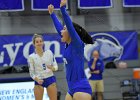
[
  {"x": 93, "y": 65},
  {"x": 36, "y": 79},
  {"x": 57, "y": 23},
  {"x": 33, "y": 76},
  {"x": 70, "y": 26},
  {"x": 53, "y": 67},
  {"x": 95, "y": 72}
]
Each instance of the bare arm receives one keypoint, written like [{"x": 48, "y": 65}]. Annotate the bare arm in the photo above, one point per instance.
[{"x": 95, "y": 72}]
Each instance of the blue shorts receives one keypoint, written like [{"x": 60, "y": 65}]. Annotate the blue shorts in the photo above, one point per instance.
[
  {"x": 79, "y": 86},
  {"x": 47, "y": 81}
]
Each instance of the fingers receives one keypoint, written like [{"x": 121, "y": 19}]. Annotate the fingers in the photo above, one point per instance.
[
  {"x": 49, "y": 66},
  {"x": 95, "y": 59},
  {"x": 63, "y": 3},
  {"x": 40, "y": 82},
  {"x": 50, "y": 8}
]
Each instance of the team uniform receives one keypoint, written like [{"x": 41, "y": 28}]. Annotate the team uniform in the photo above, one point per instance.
[
  {"x": 74, "y": 57},
  {"x": 38, "y": 67},
  {"x": 96, "y": 80}
]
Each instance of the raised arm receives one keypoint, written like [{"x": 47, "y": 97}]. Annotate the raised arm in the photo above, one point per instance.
[
  {"x": 74, "y": 35},
  {"x": 56, "y": 22}
]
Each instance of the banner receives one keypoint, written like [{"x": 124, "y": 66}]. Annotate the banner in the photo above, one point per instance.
[
  {"x": 11, "y": 5},
  {"x": 15, "y": 49},
  {"x": 114, "y": 46},
  {"x": 19, "y": 91},
  {"x": 131, "y": 3},
  {"x": 90, "y": 4},
  {"x": 43, "y": 4}
]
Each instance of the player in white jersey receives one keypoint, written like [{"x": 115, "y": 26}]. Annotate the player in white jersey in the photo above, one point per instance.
[{"x": 41, "y": 66}]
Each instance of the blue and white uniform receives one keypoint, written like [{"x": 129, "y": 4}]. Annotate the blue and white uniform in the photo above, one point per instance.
[
  {"x": 74, "y": 57},
  {"x": 38, "y": 67}
]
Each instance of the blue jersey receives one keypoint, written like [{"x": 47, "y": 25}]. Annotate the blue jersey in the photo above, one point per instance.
[
  {"x": 74, "y": 52},
  {"x": 98, "y": 66}
]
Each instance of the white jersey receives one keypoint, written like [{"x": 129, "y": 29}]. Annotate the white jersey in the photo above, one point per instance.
[{"x": 38, "y": 65}]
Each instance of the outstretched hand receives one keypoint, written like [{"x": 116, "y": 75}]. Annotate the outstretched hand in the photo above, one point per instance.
[
  {"x": 51, "y": 9},
  {"x": 51, "y": 67},
  {"x": 40, "y": 82},
  {"x": 63, "y": 3}
]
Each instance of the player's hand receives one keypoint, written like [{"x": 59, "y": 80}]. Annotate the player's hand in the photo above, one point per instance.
[
  {"x": 40, "y": 81},
  {"x": 63, "y": 3},
  {"x": 95, "y": 59},
  {"x": 51, "y": 67},
  {"x": 96, "y": 72},
  {"x": 51, "y": 9}
]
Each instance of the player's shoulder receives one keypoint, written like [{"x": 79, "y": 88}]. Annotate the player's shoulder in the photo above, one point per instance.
[
  {"x": 48, "y": 52},
  {"x": 32, "y": 55}
]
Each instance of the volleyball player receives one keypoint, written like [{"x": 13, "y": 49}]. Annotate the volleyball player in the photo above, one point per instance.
[
  {"x": 74, "y": 36},
  {"x": 41, "y": 66}
]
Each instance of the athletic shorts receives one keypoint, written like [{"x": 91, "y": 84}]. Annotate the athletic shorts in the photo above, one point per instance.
[
  {"x": 79, "y": 86},
  {"x": 97, "y": 85},
  {"x": 47, "y": 81}
]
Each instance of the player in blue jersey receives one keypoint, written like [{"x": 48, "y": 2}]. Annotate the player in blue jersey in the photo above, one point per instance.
[
  {"x": 96, "y": 67},
  {"x": 74, "y": 36}
]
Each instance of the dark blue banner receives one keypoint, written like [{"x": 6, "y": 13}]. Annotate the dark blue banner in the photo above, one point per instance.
[
  {"x": 114, "y": 46},
  {"x": 43, "y": 4},
  {"x": 131, "y": 3},
  {"x": 15, "y": 49},
  {"x": 11, "y": 5},
  {"x": 90, "y": 4}
]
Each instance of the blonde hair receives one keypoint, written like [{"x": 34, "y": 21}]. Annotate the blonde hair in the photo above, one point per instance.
[{"x": 36, "y": 36}]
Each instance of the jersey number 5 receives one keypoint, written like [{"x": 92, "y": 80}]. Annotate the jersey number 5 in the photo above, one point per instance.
[{"x": 44, "y": 66}]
